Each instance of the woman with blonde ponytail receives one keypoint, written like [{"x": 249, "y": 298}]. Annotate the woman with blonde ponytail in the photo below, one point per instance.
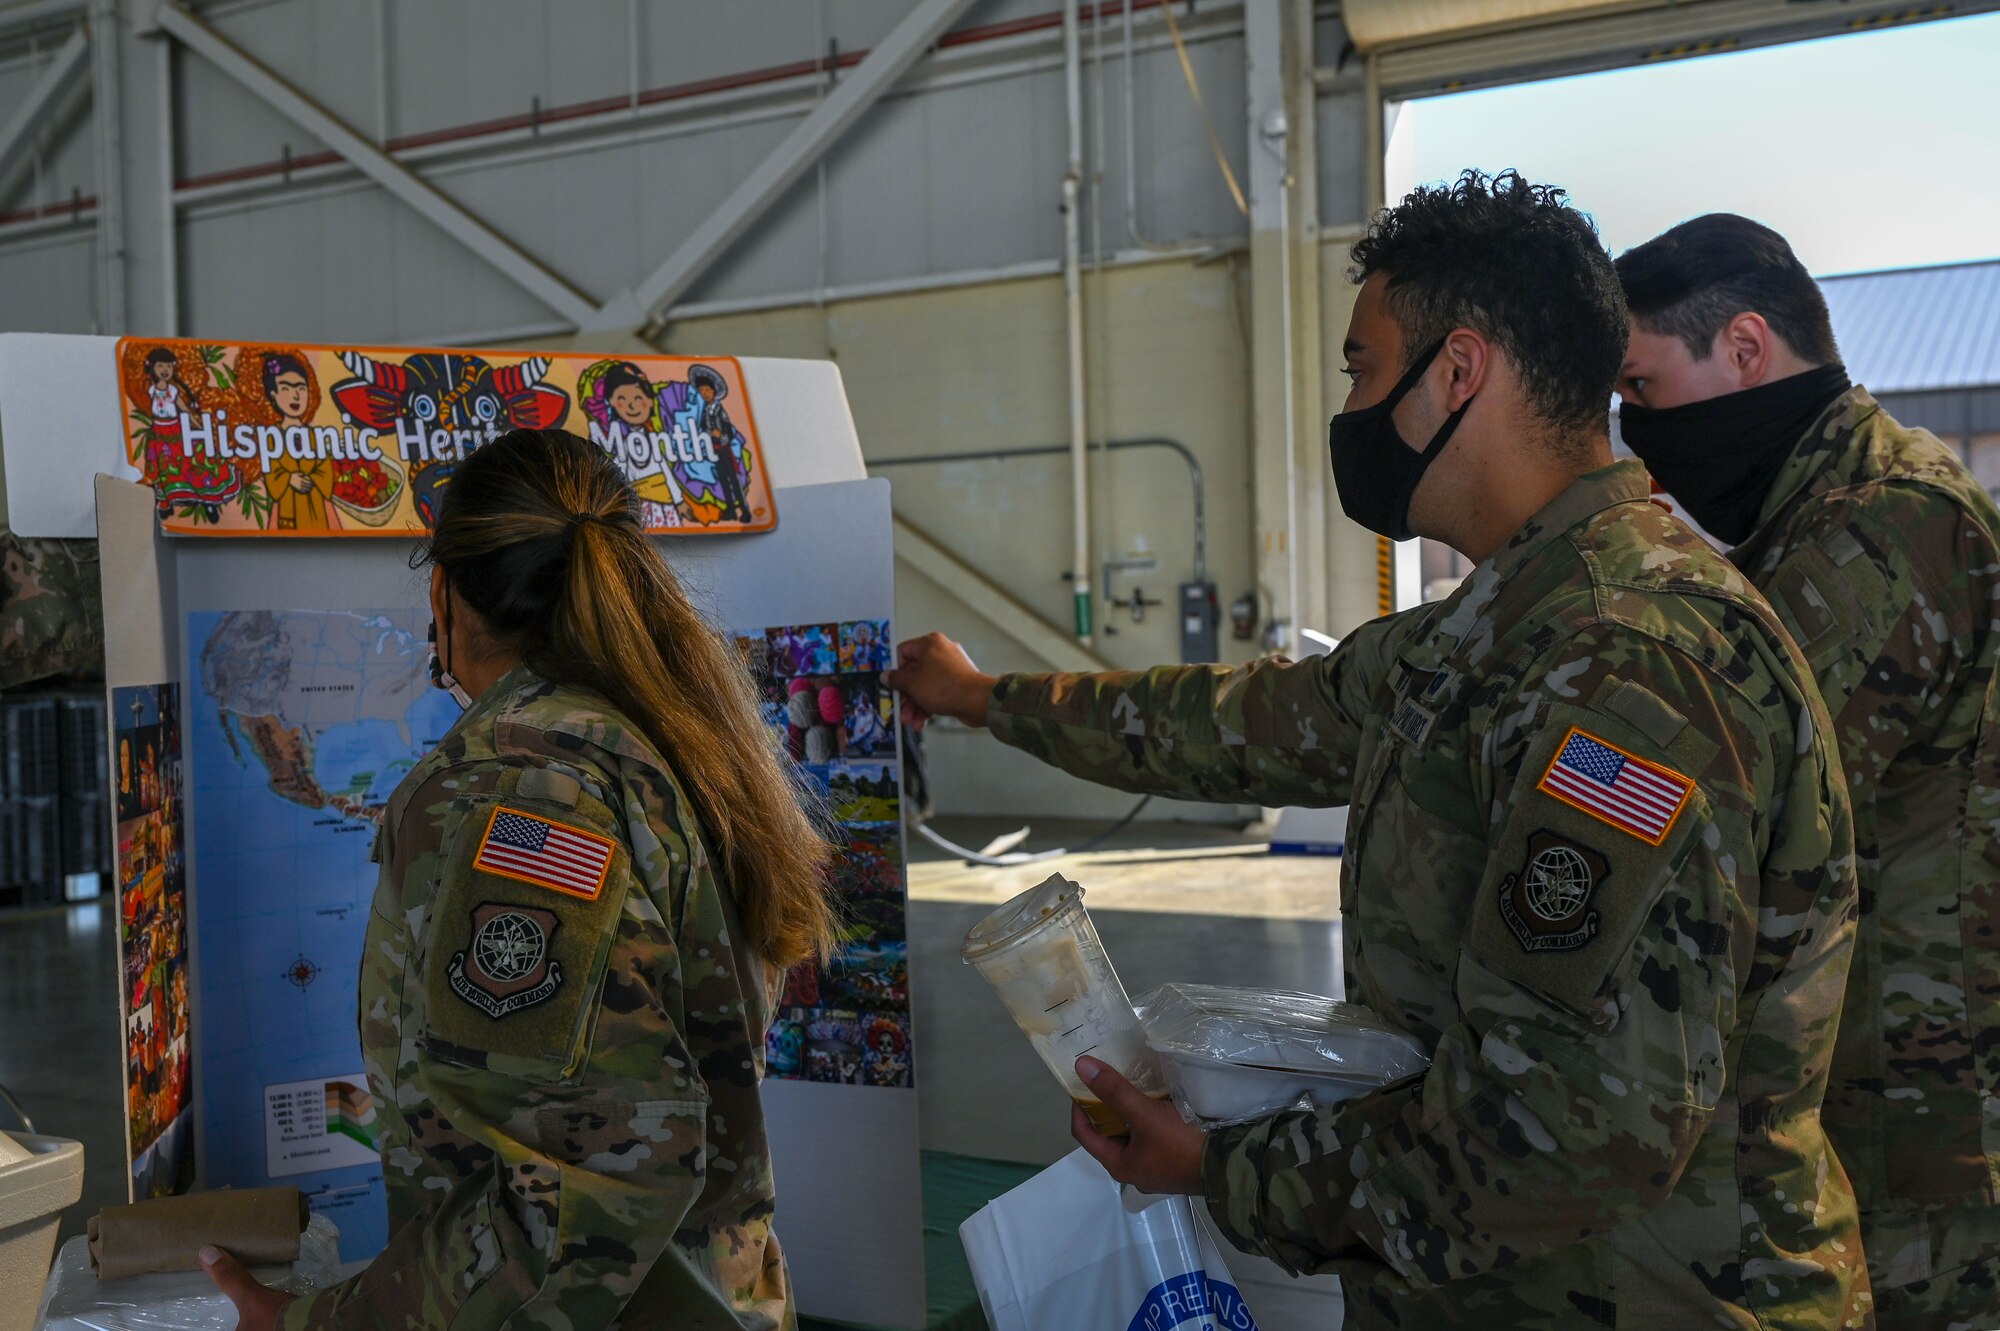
[{"x": 588, "y": 891}]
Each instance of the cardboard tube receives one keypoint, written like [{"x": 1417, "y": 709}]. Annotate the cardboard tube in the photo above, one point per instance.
[{"x": 258, "y": 1226}]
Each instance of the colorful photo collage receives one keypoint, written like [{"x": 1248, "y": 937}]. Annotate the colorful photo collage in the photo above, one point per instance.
[
  {"x": 152, "y": 893},
  {"x": 821, "y": 686}
]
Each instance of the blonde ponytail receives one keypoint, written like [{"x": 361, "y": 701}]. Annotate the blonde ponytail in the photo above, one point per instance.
[{"x": 542, "y": 537}]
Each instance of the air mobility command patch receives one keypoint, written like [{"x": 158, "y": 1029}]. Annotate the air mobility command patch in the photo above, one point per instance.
[
  {"x": 547, "y": 854},
  {"x": 508, "y": 966},
  {"x": 1639, "y": 798},
  {"x": 1547, "y": 903}
]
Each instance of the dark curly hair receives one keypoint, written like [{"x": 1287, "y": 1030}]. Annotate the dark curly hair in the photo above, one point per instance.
[
  {"x": 1515, "y": 262},
  {"x": 1692, "y": 280}
]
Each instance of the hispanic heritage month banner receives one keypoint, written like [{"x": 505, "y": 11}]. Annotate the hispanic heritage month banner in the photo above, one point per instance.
[{"x": 258, "y": 439}]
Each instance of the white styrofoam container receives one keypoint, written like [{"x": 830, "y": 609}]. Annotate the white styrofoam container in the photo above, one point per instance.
[
  {"x": 1232, "y": 1055},
  {"x": 39, "y": 1178},
  {"x": 1225, "y": 1092}
]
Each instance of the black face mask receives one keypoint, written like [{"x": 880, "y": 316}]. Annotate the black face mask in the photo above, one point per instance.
[
  {"x": 1374, "y": 470},
  {"x": 1719, "y": 458}
]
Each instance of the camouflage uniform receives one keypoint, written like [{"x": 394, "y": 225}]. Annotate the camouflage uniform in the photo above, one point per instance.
[
  {"x": 1883, "y": 557},
  {"x": 566, "y": 1080},
  {"x": 51, "y": 610},
  {"x": 1631, "y": 1021}
]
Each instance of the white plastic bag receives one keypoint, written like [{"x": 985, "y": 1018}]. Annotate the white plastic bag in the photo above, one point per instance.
[
  {"x": 173, "y": 1300},
  {"x": 1070, "y": 1250}
]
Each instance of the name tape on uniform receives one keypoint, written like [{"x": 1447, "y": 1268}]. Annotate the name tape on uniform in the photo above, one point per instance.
[
  {"x": 534, "y": 850},
  {"x": 1640, "y": 798}
]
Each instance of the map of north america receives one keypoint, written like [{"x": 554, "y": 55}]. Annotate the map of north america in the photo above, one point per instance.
[{"x": 302, "y": 725}]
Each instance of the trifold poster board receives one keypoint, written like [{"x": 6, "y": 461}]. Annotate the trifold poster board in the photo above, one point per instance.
[{"x": 291, "y": 677}]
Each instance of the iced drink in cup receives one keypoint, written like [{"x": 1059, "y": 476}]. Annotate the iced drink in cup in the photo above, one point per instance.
[{"x": 1041, "y": 954}]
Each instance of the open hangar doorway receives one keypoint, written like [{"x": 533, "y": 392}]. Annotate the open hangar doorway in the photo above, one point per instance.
[{"x": 1651, "y": 112}]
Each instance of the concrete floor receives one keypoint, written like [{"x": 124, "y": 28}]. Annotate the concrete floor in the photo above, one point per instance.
[
  {"x": 59, "y": 1043},
  {"x": 1171, "y": 901}
]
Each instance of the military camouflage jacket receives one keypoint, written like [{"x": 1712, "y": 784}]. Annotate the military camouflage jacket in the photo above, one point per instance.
[
  {"x": 1882, "y": 554},
  {"x": 51, "y": 610},
  {"x": 564, "y": 1037},
  {"x": 1599, "y": 860}
]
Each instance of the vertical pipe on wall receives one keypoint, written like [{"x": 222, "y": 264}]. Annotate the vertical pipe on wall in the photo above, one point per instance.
[
  {"x": 632, "y": 74},
  {"x": 170, "y": 251},
  {"x": 382, "y": 73},
  {"x": 1377, "y": 149},
  {"x": 39, "y": 184},
  {"x": 1293, "y": 543},
  {"x": 1079, "y": 432},
  {"x": 107, "y": 112},
  {"x": 822, "y": 52},
  {"x": 1097, "y": 312}
]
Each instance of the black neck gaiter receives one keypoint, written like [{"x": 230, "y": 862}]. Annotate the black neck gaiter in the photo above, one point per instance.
[{"x": 1718, "y": 458}]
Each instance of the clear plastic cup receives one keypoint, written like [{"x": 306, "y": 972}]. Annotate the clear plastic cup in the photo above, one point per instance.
[{"x": 1041, "y": 954}]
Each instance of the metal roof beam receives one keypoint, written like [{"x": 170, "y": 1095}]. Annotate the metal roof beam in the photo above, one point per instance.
[
  {"x": 637, "y": 307},
  {"x": 512, "y": 261},
  {"x": 58, "y": 77},
  {"x": 37, "y": 11}
]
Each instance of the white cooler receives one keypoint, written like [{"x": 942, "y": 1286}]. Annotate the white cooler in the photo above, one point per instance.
[{"x": 39, "y": 1177}]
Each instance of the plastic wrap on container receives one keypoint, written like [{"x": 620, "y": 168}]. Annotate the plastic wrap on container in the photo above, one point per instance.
[
  {"x": 77, "y": 1300},
  {"x": 1235, "y": 1055}
]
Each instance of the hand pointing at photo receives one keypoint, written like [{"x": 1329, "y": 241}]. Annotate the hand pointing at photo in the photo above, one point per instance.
[{"x": 936, "y": 678}]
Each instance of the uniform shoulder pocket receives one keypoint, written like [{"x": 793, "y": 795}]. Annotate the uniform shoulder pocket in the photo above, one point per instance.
[
  {"x": 1594, "y": 832},
  {"x": 522, "y": 925},
  {"x": 1829, "y": 597}
]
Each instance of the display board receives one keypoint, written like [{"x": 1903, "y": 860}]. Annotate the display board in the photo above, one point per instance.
[
  {"x": 287, "y": 439},
  {"x": 291, "y": 665},
  {"x": 305, "y": 697},
  {"x": 152, "y": 936},
  {"x": 149, "y": 813}
]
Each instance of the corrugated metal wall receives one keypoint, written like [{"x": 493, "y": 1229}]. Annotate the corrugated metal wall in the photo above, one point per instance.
[{"x": 957, "y": 171}]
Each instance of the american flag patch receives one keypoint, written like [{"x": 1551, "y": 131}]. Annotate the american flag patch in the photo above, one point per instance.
[
  {"x": 1615, "y": 787},
  {"x": 534, "y": 850}
]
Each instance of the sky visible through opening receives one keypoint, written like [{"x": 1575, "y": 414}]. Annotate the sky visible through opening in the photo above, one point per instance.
[{"x": 1875, "y": 150}]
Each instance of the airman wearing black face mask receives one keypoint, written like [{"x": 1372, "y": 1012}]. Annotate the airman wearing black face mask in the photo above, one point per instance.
[
  {"x": 1883, "y": 556},
  {"x": 1598, "y": 854}
]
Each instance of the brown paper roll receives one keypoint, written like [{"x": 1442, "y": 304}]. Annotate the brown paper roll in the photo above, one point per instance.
[{"x": 258, "y": 1226}]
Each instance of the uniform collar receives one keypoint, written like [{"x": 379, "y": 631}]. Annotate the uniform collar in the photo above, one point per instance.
[
  {"x": 1823, "y": 457},
  {"x": 498, "y": 695},
  {"x": 1588, "y": 495},
  {"x": 1622, "y": 482}
]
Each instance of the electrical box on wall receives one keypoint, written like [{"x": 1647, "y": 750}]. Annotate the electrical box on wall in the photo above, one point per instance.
[{"x": 1199, "y": 614}]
